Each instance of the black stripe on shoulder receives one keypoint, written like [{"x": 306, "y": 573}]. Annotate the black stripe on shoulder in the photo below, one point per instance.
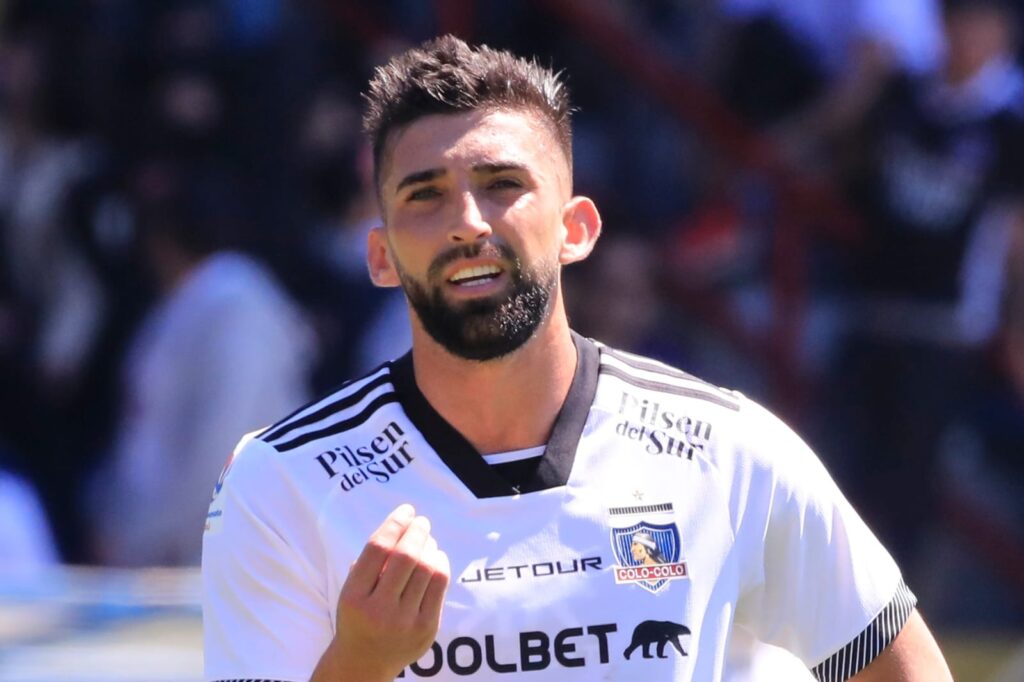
[
  {"x": 289, "y": 423},
  {"x": 343, "y": 425},
  {"x": 657, "y": 368},
  {"x": 708, "y": 396},
  {"x": 306, "y": 406},
  {"x": 646, "y": 365},
  {"x": 854, "y": 657}
]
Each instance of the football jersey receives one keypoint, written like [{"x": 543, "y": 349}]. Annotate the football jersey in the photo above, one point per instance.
[{"x": 664, "y": 515}]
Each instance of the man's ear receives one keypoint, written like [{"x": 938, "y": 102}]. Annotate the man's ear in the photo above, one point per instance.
[
  {"x": 582, "y": 224},
  {"x": 378, "y": 259}
]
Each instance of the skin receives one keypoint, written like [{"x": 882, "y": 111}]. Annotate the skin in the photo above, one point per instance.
[
  {"x": 448, "y": 180},
  {"x": 389, "y": 608},
  {"x": 914, "y": 656}
]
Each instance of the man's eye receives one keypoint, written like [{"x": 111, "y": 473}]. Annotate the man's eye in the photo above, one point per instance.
[
  {"x": 505, "y": 183},
  {"x": 423, "y": 194}
]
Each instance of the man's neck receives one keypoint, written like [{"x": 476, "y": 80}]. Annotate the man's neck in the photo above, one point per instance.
[{"x": 500, "y": 405}]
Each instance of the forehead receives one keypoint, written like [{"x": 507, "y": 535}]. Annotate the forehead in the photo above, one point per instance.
[{"x": 443, "y": 141}]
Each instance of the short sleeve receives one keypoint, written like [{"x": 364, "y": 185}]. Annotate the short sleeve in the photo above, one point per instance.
[
  {"x": 265, "y": 611},
  {"x": 827, "y": 589}
]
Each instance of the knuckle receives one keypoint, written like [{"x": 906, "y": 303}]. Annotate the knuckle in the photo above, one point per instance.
[
  {"x": 407, "y": 557},
  {"x": 378, "y": 544},
  {"x": 350, "y": 601}
]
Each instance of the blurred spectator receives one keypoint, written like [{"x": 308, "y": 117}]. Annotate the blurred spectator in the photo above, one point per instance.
[
  {"x": 810, "y": 69},
  {"x": 620, "y": 300},
  {"x": 37, "y": 167},
  {"x": 52, "y": 304},
  {"x": 981, "y": 476},
  {"x": 941, "y": 165},
  {"x": 359, "y": 324},
  {"x": 223, "y": 353}
]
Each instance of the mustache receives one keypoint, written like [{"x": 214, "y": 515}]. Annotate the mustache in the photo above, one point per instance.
[{"x": 485, "y": 249}]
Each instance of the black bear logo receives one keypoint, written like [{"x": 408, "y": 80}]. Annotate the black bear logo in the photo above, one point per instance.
[{"x": 661, "y": 632}]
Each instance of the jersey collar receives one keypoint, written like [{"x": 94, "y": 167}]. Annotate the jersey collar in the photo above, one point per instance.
[{"x": 469, "y": 466}]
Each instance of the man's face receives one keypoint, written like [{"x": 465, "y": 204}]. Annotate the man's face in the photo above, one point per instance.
[
  {"x": 639, "y": 551},
  {"x": 473, "y": 209}
]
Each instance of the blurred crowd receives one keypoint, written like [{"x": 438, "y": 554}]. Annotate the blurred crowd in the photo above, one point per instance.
[{"x": 818, "y": 203}]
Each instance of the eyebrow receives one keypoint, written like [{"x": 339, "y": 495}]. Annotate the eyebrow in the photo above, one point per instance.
[
  {"x": 418, "y": 177},
  {"x": 435, "y": 173},
  {"x": 499, "y": 167}
]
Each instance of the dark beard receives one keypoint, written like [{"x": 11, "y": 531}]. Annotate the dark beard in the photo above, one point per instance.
[{"x": 484, "y": 329}]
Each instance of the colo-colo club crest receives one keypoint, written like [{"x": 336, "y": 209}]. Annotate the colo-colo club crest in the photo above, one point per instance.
[{"x": 648, "y": 553}]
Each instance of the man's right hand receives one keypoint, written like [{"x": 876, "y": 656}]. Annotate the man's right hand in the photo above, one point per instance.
[{"x": 389, "y": 609}]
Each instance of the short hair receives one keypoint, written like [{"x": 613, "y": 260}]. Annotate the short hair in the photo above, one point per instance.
[{"x": 446, "y": 76}]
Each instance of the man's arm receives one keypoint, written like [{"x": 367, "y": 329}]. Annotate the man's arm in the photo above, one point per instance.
[
  {"x": 389, "y": 609},
  {"x": 913, "y": 656}
]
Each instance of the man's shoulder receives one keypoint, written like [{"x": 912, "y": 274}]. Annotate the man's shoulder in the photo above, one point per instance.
[
  {"x": 652, "y": 400},
  {"x": 651, "y": 376},
  {"x": 345, "y": 409},
  {"x": 282, "y": 465}
]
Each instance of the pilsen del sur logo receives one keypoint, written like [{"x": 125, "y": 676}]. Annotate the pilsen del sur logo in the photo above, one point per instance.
[
  {"x": 380, "y": 459},
  {"x": 649, "y": 554}
]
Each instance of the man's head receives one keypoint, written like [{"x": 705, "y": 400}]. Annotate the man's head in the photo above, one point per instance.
[
  {"x": 474, "y": 179},
  {"x": 978, "y": 32},
  {"x": 446, "y": 76}
]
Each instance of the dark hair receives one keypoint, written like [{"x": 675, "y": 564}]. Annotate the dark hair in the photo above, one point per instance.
[
  {"x": 197, "y": 206},
  {"x": 445, "y": 75}
]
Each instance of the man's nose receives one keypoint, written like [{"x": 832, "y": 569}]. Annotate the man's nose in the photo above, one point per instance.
[{"x": 469, "y": 223}]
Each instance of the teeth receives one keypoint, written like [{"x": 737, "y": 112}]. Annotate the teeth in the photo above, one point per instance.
[{"x": 485, "y": 271}]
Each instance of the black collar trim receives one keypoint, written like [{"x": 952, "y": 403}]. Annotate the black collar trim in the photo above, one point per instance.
[{"x": 469, "y": 466}]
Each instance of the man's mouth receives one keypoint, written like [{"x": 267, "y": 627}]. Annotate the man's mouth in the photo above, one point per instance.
[{"x": 475, "y": 276}]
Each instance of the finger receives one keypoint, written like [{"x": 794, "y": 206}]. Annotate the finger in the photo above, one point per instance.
[
  {"x": 412, "y": 595},
  {"x": 433, "y": 598},
  {"x": 403, "y": 559},
  {"x": 362, "y": 577}
]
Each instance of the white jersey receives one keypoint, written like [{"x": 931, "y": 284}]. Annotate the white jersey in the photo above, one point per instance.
[{"x": 664, "y": 516}]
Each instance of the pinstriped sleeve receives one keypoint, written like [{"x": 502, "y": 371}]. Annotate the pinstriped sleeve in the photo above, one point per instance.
[{"x": 854, "y": 657}]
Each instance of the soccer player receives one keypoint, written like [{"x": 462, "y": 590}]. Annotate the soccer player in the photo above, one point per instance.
[{"x": 539, "y": 457}]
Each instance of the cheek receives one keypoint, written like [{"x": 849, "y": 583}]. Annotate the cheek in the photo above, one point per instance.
[
  {"x": 411, "y": 241},
  {"x": 539, "y": 226}
]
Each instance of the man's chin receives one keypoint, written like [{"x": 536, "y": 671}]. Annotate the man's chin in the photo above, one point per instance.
[
  {"x": 480, "y": 335},
  {"x": 487, "y": 349},
  {"x": 477, "y": 305}
]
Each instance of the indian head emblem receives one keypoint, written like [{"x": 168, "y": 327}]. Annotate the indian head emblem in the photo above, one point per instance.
[{"x": 648, "y": 554}]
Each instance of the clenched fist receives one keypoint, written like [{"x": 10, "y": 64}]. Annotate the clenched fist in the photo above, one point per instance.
[{"x": 389, "y": 609}]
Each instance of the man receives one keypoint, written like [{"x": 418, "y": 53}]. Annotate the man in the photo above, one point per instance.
[
  {"x": 222, "y": 350},
  {"x": 538, "y": 455}
]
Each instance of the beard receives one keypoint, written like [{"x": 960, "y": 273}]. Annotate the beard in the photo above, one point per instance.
[{"x": 486, "y": 328}]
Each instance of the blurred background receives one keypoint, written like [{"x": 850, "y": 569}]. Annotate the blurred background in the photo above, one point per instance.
[{"x": 820, "y": 204}]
